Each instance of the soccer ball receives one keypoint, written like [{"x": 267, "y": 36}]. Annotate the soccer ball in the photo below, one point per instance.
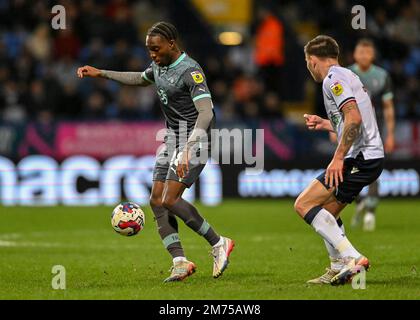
[{"x": 127, "y": 219}]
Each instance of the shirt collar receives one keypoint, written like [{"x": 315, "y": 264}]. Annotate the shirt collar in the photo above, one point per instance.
[{"x": 177, "y": 61}]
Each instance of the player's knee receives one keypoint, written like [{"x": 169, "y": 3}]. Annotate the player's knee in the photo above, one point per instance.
[
  {"x": 300, "y": 207},
  {"x": 155, "y": 201},
  {"x": 169, "y": 201}
]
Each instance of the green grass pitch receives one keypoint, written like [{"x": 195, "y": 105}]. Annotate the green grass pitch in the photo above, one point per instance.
[{"x": 276, "y": 252}]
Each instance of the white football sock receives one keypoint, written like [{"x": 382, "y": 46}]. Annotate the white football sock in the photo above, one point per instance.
[
  {"x": 335, "y": 256},
  {"x": 331, "y": 250},
  {"x": 179, "y": 259},
  {"x": 325, "y": 224}
]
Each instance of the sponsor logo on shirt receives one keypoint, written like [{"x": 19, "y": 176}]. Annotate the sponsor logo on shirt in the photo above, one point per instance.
[
  {"x": 197, "y": 76},
  {"x": 337, "y": 88}
]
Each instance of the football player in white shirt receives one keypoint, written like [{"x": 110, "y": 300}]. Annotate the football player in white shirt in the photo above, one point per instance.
[{"x": 357, "y": 161}]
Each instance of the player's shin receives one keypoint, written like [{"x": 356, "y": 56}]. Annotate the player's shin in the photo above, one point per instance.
[
  {"x": 371, "y": 203},
  {"x": 325, "y": 225},
  {"x": 369, "y": 220},
  {"x": 335, "y": 256},
  {"x": 168, "y": 231},
  {"x": 360, "y": 210},
  {"x": 192, "y": 218}
]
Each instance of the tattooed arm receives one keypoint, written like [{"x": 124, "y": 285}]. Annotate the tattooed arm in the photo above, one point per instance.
[{"x": 351, "y": 131}]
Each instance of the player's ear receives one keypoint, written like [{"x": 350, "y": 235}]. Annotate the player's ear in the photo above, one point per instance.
[{"x": 311, "y": 59}]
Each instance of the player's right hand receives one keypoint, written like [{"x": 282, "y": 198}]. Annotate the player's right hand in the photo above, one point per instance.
[
  {"x": 183, "y": 166},
  {"x": 88, "y": 71},
  {"x": 313, "y": 122}
]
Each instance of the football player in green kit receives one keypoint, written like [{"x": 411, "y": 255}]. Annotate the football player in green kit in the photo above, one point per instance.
[
  {"x": 378, "y": 84},
  {"x": 188, "y": 109}
]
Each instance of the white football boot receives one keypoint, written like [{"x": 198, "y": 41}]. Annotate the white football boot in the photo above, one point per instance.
[{"x": 221, "y": 255}]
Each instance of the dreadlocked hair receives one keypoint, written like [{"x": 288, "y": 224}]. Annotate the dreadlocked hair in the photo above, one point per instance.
[{"x": 164, "y": 29}]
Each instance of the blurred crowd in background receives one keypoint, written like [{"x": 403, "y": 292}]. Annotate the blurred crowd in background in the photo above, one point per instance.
[{"x": 257, "y": 78}]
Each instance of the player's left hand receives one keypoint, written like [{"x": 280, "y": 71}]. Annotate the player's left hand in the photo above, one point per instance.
[
  {"x": 389, "y": 144},
  {"x": 183, "y": 166},
  {"x": 334, "y": 173}
]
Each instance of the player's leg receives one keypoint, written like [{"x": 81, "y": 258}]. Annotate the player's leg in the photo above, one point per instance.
[
  {"x": 354, "y": 181},
  {"x": 221, "y": 246},
  {"x": 360, "y": 210},
  {"x": 336, "y": 261},
  {"x": 172, "y": 200},
  {"x": 370, "y": 204},
  {"x": 309, "y": 205},
  {"x": 168, "y": 231},
  {"x": 166, "y": 220}
]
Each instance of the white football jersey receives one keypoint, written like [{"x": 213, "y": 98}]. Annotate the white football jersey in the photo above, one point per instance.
[{"x": 339, "y": 87}]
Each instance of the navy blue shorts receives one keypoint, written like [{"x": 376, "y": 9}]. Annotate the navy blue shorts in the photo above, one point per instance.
[{"x": 357, "y": 174}]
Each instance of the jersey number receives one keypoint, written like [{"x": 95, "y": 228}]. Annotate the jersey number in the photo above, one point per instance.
[{"x": 162, "y": 96}]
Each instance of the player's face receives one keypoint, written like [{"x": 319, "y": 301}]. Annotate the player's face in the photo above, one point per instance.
[
  {"x": 311, "y": 64},
  {"x": 160, "y": 50},
  {"x": 364, "y": 55}
]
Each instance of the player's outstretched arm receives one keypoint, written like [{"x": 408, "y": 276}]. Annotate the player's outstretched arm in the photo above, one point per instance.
[
  {"x": 129, "y": 78},
  {"x": 351, "y": 131},
  {"x": 314, "y": 122}
]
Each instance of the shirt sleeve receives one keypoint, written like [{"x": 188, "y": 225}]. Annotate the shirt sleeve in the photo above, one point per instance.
[
  {"x": 196, "y": 83},
  {"x": 339, "y": 90},
  {"x": 148, "y": 74},
  {"x": 387, "y": 93}
]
